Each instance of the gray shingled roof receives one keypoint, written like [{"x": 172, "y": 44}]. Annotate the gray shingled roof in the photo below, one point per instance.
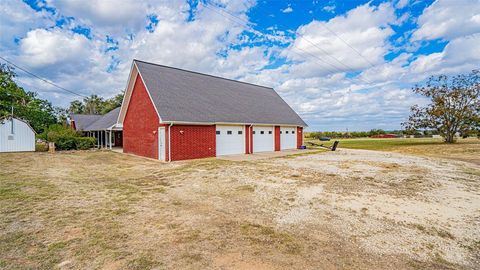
[
  {"x": 90, "y": 122},
  {"x": 186, "y": 96},
  {"x": 84, "y": 120},
  {"x": 106, "y": 121}
]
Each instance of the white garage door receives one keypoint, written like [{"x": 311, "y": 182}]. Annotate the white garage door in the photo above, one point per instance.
[
  {"x": 263, "y": 139},
  {"x": 288, "y": 138},
  {"x": 230, "y": 140}
]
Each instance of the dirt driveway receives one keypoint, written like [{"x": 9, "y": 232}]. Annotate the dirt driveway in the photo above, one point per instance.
[{"x": 350, "y": 209}]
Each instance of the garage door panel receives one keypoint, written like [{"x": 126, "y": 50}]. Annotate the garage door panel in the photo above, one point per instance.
[
  {"x": 263, "y": 139},
  {"x": 288, "y": 138},
  {"x": 230, "y": 140}
]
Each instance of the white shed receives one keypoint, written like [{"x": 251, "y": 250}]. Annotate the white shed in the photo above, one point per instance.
[{"x": 16, "y": 135}]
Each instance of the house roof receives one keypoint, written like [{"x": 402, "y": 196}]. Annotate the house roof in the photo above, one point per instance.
[
  {"x": 185, "y": 96},
  {"x": 90, "y": 122}
]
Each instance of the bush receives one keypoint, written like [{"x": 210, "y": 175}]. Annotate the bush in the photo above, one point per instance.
[
  {"x": 65, "y": 143},
  {"x": 41, "y": 147},
  {"x": 85, "y": 143},
  {"x": 66, "y": 138}
]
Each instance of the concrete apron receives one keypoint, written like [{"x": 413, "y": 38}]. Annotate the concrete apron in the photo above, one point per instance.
[{"x": 265, "y": 155}]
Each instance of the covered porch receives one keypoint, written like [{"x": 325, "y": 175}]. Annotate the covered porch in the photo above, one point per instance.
[{"x": 108, "y": 138}]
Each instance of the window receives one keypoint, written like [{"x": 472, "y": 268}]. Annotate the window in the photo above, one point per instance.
[
  {"x": 240, "y": 132},
  {"x": 262, "y": 132},
  {"x": 229, "y": 132},
  {"x": 280, "y": 132},
  {"x": 269, "y": 132},
  {"x": 293, "y": 132},
  {"x": 218, "y": 132},
  {"x": 286, "y": 132},
  {"x": 254, "y": 132}
]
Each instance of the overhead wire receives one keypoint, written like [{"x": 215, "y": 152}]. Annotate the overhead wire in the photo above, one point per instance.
[
  {"x": 43, "y": 79},
  {"x": 246, "y": 24}
]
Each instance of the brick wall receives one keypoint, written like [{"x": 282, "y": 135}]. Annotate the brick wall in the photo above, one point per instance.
[
  {"x": 299, "y": 136},
  {"x": 140, "y": 127},
  {"x": 277, "y": 138},
  {"x": 189, "y": 142}
]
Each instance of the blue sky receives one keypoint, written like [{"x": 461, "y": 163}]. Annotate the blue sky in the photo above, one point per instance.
[{"x": 339, "y": 64}]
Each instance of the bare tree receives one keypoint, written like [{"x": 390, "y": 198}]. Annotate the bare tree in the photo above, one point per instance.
[{"x": 454, "y": 105}]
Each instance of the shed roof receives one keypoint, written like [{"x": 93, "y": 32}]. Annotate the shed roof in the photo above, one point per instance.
[
  {"x": 185, "y": 96},
  {"x": 7, "y": 118},
  {"x": 91, "y": 122}
]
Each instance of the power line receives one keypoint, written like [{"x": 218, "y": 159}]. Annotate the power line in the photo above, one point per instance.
[
  {"x": 304, "y": 38},
  {"x": 293, "y": 47},
  {"x": 346, "y": 43},
  {"x": 43, "y": 79}
]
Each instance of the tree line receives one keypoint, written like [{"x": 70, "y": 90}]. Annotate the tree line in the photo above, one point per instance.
[
  {"x": 95, "y": 104},
  {"x": 351, "y": 134}
]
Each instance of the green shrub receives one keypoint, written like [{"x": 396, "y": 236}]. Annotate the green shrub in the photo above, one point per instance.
[
  {"x": 41, "y": 147},
  {"x": 65, "y": 143},
  {"x": 66, "y": 138},
  {"x": 85, "y": 143}
]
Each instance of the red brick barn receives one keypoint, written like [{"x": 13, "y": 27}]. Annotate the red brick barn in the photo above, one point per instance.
[{"x": 174, "y": 114}]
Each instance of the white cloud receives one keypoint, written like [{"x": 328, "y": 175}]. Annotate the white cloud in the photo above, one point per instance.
[
  {"x": 43, "y": 47},
  {"x": 365, "y": 28},
  {"x": 288, "y": 9},
  {"x": 388, "y": 71},
  {"x": 81, "y": 64},
  {"x": 448, "y": 19},
  {"x": 460, "y": 55},
  {"x": 330, "y": 8},
  {"x": 106, "y": 14},
  {"x": 13, "y": 18},
  {"x": 401, "y": 4}
]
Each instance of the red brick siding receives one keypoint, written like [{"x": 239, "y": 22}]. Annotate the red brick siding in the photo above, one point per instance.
[
  {"x": 277, "y": 138},
  {"x": 299, "y": 136},
  {"x": 189, "y": 142},
  {"x": 140, "y": 127},
  {"x": 248, "y": 139}
]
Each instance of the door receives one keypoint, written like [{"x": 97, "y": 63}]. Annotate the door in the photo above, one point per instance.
[
  {"x": 161, "y": 143},
  {"x": 263, "y": 139},
  {"x": 118, "y": 138},
  {"x": 288, "y": 138},
  {"x": 230, "y": 140}
]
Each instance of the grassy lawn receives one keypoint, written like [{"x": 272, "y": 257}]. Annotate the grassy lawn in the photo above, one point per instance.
[
  {"x": 105, "y": 210},
  {"x": 464, "y": 149}
]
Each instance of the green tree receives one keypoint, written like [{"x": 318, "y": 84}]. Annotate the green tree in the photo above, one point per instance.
[
  {"x": 454, "y": 105},
  {"x": 38, "y": 112},
  {"x": 76, "y": 107},
  {"x": 112, "y": 103},
  {"x": 93, "y": 104}
]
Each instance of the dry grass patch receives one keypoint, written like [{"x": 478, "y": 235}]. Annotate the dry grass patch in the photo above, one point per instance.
[{"x": 96, "y": 209}]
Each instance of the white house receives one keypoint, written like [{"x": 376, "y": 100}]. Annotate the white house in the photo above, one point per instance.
[{"x": 16, "y": 135}]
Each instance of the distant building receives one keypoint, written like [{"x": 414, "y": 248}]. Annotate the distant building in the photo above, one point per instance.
[
  {"x": 16, "y": 135},
  {"x": 103, "y": 128}
]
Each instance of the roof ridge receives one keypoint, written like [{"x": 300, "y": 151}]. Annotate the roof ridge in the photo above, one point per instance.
[{"x": 200, "y": 73}]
